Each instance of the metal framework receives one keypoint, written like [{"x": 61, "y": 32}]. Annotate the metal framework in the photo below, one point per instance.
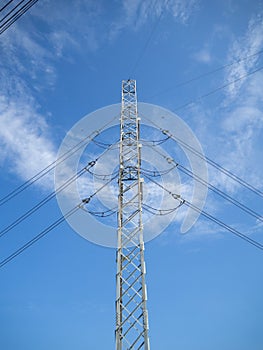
[{"x": 131, "y": 312}]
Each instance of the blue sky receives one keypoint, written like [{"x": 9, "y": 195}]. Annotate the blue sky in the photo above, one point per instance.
[{"x": 62, "y": 61}]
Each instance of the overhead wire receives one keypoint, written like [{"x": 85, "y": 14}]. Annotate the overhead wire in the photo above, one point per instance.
[
  {"x": 211, "y": 187},
  {"x": 155, "y": 142},
  {"x": 103, "y": 144},
  {"x": 148, "y": 40},
  {"x": 52, "y": 165},
  {"x": 50, "y": 228},
  {"x": 14, "y": 17},
  {"x": 258, "y": 53},
  {"x": 225, "y": 226},
  {"x": 209, "y": 161},
  {"x": 157, "y": 173},
  {"x": 221, "y": 193},
  {"x": 110, "y": 212},
  {"x": 159, "y": 211},
  {"x": 218, "y": 89},
  {"x": 45, "y": 200},
  {"x": 87, "y": 200},
  {"x": 238, "y": 61},
  {"x": 102, "y": 214},
  {"x": 17, "y": 190},
  {"x": 38, "y": 237},
  {"x": 212, "y": 218},
  {"x": 5, "y": 6},
  {"x": 103, "y": 176},
  {"x": 51, "y": 195}
]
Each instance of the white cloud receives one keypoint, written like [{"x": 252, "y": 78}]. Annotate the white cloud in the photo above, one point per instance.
[
  {"x": 25, "y": 142},
  {"x": 247, "y": 45},
  {"x": 237, "y": 143},
  {"x": 241, "y": 134},
  {"x": 77, "y": 25},
  {"x": 182, "y": 10},
  {"x": 25, "y": 138},
  {"x": 28, "y": 65},
  {"x": 203, "y": 56},
  {"x": 135, "y": 13}
]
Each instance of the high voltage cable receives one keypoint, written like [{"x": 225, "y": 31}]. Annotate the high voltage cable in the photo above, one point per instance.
[
  {"x": 14, "y": 17},
  {"x": 156, "y": 142},
  {"x": 225, "y": 226},
  {"x": 175, "y": 196},
  {"x": 51, "y": 227},
  {"x": 221, "y": 193},
  {"x": 38, "y": 237},
  {"x": 220, "y": 168},
  {"x": 157, "y": 173},
  {"x": 102, "y": 214},
  {"x": 212, "y": 218},
  {"x": 51, "y": 195},
  {"x": 87, "y": 200},
  {"x": 45, "y": 200},
  {"x": 52, "y": 165},
  {"x": 135, "y": 65},
  {"x": 2, "y": 8},
  {"x": 210, "y": 161},
  {"x": 212, "y": 187},
  {"x": 208, "y": 73},
  {"x": 195, "y": 78},
  {"x": 103, "y": 176},
  {"x": 162, "y": 212},
  {"x": 218, "y": 89}
]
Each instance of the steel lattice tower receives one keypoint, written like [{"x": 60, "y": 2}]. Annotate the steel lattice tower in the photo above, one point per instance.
[{"x": 131, "y": 312}]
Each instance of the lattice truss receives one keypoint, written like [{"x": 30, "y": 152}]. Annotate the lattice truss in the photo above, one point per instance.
[{"x": 131, "y": 311}]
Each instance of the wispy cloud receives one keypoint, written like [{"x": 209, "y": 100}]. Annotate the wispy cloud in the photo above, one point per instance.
[
  {"x": 232, "y": 131},
  {"x": 203, "y": 56},
  {"x": 25, "y": 141},
  {"x": 26, "y": 67},
  {"x": 182, "y": 10},
  {"x": 28, "y": 59},
  {"x": 240, "y": 117},
  {"x": 136, "y": 13},
  {"x": 247, "y": 45}
]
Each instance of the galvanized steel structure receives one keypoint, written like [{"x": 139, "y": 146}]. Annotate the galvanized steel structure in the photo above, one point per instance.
[{"x": 131, "y": 312}]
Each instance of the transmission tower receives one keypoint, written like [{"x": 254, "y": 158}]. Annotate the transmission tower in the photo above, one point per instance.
[{"x": 131, "y": 312}]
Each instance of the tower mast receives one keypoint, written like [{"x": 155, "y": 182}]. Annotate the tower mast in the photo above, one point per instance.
[{"x": 131, "y": 312}]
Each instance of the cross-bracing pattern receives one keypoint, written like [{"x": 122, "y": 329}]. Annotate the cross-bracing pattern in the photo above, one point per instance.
[{"x": 131, "y": 312}]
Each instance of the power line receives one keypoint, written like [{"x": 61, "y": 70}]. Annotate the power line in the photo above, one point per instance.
[
  {"x": 227, "y": 172},
  {"x": 220, "y": 168},
  {"x": 38, "y": 237},
  {"x": 207, "y": 73},
  {"x": 53, "y": 194},
  {"x": 221, "y": 193},
  {"x": 162, "y": 212},
  {"x": 208, "y": 160},
  {"x": 218, "y": 89},
  {"x": 45, "y": 200},
  {"x": 211, "y": 187},
  {"x": 149, "y": 38},
  {"x": 102, "y": 214},
  {"x": 52, "y": 165},
  {"x": 10, "y": 12},
  {"x": 225, "y": 226},
  {"x": 15, "y": 16},
  {"x": 52, "y": 226},
  {"x": 212, "y": 218},
  {"x": 2, "y": 8}
]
